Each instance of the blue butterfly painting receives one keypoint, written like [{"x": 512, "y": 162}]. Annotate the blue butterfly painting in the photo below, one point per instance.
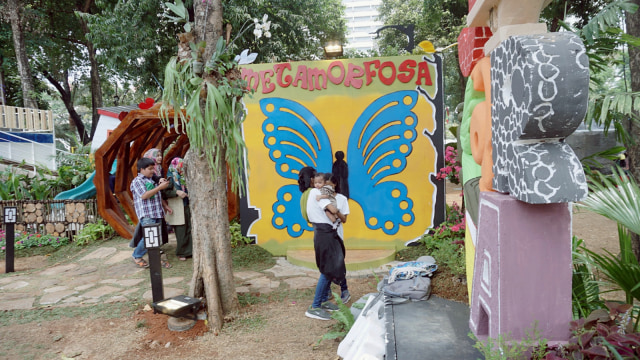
[{"x": 379, "y": 143}]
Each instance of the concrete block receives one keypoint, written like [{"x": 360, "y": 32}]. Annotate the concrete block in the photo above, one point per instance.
[
  {"x": 539, "y": 95},
  {"x": 523, "y": 269}
]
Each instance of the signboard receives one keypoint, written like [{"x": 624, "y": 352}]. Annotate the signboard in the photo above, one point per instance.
[{"x": 384, "y": 114}]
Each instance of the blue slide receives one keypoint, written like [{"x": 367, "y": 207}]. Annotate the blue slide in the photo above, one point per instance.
[{"x": 86, "y": 190}]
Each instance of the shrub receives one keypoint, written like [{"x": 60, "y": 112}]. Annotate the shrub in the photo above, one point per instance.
[
  {"x": 25, "y": 240},
  {"x": 452, "y": 168},
  {"x": 446, "y": 242},
  {"x": 92, "y": 232},
  {"x": 605, "y": 334},
  {"x": 532, "y": 346},
  {"x": 237, "y": 239}
]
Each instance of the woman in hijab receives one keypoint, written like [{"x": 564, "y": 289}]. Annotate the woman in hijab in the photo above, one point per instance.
[
  {"x": 178, "y": 188},
  {"x": 155, "y": 155}
]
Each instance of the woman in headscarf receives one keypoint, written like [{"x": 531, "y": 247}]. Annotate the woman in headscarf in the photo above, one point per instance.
[
  {"x": 156, "y": 155},
  {"x": 178, "y": 188}
]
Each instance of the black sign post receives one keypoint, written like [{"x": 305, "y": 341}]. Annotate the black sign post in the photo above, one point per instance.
[
  {"x": 10, "y": 217},
  {"x": 152, "y": 238}
]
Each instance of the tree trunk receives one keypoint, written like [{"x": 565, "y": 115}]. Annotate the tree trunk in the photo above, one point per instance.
[
  {"x": 65, "y": 96},
  {"x": 3, "y": 100},
  {"x": 96, "y": 89},
  {"x": 28, "y": 90},
  {"x": 633, "y": 150},
  {"x": 212, "y": 265}
]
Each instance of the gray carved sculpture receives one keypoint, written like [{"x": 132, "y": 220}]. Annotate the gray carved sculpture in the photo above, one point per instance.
[{"x": 539, "y": 96}]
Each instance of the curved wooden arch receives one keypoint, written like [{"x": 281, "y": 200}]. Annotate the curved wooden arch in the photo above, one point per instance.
[{"x": 139, "y": 131}]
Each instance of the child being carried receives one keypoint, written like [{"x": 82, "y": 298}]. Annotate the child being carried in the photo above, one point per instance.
[{"x": 322, "y": 182}]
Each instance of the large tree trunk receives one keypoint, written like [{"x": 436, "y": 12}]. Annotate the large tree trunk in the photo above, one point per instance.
[
  {"x": 633, "y": 150},
  {"x": 96, "y": 89},
  {"x": 28, "y": 90},
  {"x": 212, "y": 265}
]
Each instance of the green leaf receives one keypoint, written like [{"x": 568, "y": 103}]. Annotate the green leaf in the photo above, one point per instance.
[{"x": 179, "y": 9}]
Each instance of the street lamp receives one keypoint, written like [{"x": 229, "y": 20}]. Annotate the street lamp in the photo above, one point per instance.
[
  {"x": 405, "y": 29},
  {"x": 333, "y": 49}
]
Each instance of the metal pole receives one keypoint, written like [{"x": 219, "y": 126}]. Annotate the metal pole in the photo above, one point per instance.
[
  {"x": 10, "y": 215},
  {"x": 152, "y": 237}
]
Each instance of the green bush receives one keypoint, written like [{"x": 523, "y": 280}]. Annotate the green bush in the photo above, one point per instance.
[
  {"x": 15, "y": 185},
  {"x": 25, "y": 240},
  {"x": 92, "y": 232},
  {"x": 12, "y": 184},
  {"x": 446, "y": 242},
  {"x": 74, "y": 169},
  {"x": 236, "y": 235}
]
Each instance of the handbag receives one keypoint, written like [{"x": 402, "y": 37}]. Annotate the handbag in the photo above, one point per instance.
[{"x": 177, "y": 205}]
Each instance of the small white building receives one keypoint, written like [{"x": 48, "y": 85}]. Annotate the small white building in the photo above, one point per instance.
[{"x": 108, "y": 121}]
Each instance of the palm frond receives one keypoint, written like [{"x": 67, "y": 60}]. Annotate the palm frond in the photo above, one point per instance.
[
  {"x": 594, "y": 160},
  {"x": 610, "y": 16},
  {"x": 622, "y": 275},
  {"x": 585, "y": 288},
  {"x": 616, "y": 198},
  {"x": 606, "y": 109}
]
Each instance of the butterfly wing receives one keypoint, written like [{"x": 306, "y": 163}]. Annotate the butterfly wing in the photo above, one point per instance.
[
  {"x": 379, "y": 144},
  {"x": 295, "y": 139}
]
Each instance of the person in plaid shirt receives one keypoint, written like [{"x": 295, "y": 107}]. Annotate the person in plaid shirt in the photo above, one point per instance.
[{"x": 148, "y": 202}]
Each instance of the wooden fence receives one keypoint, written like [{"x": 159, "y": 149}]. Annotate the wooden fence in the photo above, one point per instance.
[
  {"x": 26, "y": 119},
  {"x": 54, "y": 217}
]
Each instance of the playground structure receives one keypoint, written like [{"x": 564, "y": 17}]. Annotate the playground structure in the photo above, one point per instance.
[
  {"x": 86, "y": 190},
  {"x": 139, "y": 131}
]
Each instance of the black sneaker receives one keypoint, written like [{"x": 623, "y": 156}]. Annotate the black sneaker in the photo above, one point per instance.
[{"x": 317, "y": 313}]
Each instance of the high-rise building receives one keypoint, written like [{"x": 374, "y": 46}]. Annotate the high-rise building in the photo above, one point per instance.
[{"x": 362, "y": 20}]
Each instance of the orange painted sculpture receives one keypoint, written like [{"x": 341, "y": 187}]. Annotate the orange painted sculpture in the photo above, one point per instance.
[{"x": 139, "y": 131}]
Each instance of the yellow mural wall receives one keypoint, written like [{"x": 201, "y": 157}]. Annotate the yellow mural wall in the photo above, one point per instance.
[{"x": 386, "y": 112}]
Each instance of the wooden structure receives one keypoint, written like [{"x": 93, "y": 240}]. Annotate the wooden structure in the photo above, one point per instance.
[
  {"x": 139, "y": 131},
  {"x": 26, "y": 119},
  {"x": 52, "y": 217}
]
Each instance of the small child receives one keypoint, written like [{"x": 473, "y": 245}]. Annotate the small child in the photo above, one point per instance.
[{"x": 323, "y": 183}]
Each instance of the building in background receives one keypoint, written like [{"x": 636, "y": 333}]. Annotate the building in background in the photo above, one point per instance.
[
  {"x": 362, "y": 20},
  {"x": 27, "y": 135}
]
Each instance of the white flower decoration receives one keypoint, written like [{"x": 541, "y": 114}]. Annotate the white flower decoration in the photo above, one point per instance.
[{"x": 246, "y": 58}]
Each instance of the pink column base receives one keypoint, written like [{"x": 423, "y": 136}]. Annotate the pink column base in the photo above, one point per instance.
[{"x": 523, "y": 268}]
